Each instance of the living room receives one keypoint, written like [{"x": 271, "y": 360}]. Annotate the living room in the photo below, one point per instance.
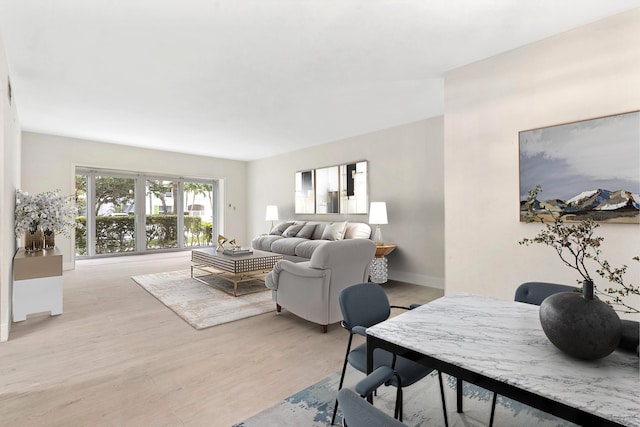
[{"x": 450, "y": 181}]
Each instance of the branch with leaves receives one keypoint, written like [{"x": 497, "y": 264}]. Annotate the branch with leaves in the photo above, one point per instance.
[{"x": 577, "y": 243}]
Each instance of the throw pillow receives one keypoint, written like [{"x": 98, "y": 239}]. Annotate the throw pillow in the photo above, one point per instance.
[
  {"x": 334, "y": 231},
  {"x": 279, "y": 229},
  {"x": 307, "y": 231},
  {"x": 292, "y": 230}
]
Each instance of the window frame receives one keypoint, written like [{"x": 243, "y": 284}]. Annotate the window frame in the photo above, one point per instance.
[{"x": 140, "y": 182}]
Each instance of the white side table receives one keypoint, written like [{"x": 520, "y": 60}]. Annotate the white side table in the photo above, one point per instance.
[
  {"x": 379, "y": 265},
  {"x": 37, "y": 283}
]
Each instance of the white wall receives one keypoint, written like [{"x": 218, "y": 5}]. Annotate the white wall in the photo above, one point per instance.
[
  {"x": 49, "y": 163},
  {"x": 405, "y": 170},
  {"x": 9, "y": 181},
  {"x": 589, "y": 72}
]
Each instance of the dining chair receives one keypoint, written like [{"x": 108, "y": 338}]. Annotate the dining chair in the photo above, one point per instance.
[
  {"x": 532, "y": 293},
  {"x": 536, "y": 292},
  {"x": 364, "y": 305},
  {"x": 357, "y": 412}
]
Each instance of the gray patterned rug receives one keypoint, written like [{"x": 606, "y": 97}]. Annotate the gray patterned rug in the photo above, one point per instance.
[
  {"x": 205, "y": 305},
  {"x": 313, "y": 406}
]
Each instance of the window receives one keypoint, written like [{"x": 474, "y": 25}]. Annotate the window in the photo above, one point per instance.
[
  {"x": 114, "y": 225},
  {"x": 198, "y": 213}
]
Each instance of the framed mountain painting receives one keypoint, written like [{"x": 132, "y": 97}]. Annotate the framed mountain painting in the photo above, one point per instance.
[{"x": 589, "y": 168}]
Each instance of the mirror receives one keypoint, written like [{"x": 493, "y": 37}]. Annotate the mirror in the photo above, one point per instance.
[
  {"x": 353, "y": 182},
  {"x": 327, "y": 190},
  {"x": 305, "y": 197}
]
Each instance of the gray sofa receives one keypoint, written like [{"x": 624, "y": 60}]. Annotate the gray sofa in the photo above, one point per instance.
[{"x": 297, "y": 240}]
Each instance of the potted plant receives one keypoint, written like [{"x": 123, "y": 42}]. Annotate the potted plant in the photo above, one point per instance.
[{"x": 569, "y": 319}]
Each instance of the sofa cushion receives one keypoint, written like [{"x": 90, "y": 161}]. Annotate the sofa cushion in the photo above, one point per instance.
[
  {"x": 334, "y": 231},
  {"x": 305, "y": 249},
  {"x": 317, "y": 233},
  {"x": 287, "y": 246},
  {"x": 279, "y": 229},
  {"x": 307, "y": 231},
  {"x": 292, "y": 230},
  {"x": 263, "y": 243},
  {"x": 357, "y": 230}
]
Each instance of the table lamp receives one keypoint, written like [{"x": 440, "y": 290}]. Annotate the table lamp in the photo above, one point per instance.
[
  {"x": 272, "y": 215},
  {"x": 378, "y": 216}
]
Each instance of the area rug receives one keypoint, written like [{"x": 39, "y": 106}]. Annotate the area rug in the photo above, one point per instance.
[
  {"x": 206, "y": 305},
  {"x": 313, "y": 406}
]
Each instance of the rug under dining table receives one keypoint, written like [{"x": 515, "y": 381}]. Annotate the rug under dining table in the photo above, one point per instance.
[{"x": 313, "y": 406}]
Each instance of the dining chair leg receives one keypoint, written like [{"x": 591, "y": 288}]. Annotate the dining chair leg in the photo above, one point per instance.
[
  {"x": 444, "y": 405},
  {"x": 493, "y": 408},
  {"x": 459, "y": 394},
  {"x": 399, "y": 408},
  {"x": 344, "y": 369}
]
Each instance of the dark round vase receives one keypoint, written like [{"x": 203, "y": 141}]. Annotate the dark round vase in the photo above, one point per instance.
[{"x": 580, "y": 325}]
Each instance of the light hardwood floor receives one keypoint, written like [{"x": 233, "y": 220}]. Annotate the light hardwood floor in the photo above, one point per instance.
[{"x": 119, "y": 357}]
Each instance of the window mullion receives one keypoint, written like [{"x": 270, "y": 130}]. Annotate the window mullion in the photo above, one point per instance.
[
  {"x": 140, "y": 214},
  {"x": 180, "y": 213},
  {"x": 91, "y": 215}
]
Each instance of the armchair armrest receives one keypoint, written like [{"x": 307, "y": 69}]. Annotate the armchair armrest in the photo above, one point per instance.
[
  {"x": 300, "y": 269},
  {"x": 374, "y": 380},
  {"x": 411, "y": 307}
]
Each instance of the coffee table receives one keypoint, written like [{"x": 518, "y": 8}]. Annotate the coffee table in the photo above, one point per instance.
[{"x": 233, "y": 268}]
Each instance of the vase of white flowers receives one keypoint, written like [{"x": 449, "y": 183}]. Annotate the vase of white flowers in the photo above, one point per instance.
[
  {"x": 27, "y": 216},
  {"x": 40, "y": 216}
]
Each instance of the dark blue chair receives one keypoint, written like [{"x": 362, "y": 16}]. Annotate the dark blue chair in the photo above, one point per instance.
[
  {"x": 360, "y": 413},
  {"x": 364, "y": 305},
  {"x": 536, "y": 292}
]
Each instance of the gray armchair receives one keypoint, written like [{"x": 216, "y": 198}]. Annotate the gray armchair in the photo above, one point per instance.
[{"x": 310, "y": 289}]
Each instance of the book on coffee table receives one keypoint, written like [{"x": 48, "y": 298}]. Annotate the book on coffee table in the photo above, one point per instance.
[{"x": 238, "y": 251}]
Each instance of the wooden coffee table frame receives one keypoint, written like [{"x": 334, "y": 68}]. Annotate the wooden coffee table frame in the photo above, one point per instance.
[{"x": 232, "y": 268}]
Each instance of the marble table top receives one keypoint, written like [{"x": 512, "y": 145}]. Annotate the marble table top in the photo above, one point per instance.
[{"x": 503, "y": 340}]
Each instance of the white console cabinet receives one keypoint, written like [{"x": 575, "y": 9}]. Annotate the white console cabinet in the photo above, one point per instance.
[{"x": 37, "y": 283}]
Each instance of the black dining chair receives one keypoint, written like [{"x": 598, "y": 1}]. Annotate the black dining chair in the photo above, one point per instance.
[
  {"x": 364, "y": 305},
  {"x": 532, "y": 293}
]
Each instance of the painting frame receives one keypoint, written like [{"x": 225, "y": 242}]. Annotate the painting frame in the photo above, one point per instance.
[
  {"x": 587, "y": 169},
  {"x": 305, "y": 201}
]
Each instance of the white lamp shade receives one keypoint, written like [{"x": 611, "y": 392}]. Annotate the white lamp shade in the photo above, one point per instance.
[
  {"x": 272, "y": 213},
  {"x": 378, "y": 213}
]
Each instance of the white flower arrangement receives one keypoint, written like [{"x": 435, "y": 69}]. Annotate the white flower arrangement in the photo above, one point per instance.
[{"x": 52, "y": 212}]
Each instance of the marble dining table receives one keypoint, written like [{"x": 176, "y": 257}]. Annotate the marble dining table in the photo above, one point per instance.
[{"x": 500, "y": 345}]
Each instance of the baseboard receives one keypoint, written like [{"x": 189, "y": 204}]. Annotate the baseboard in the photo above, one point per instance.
[{"x": 418, "y": 279}]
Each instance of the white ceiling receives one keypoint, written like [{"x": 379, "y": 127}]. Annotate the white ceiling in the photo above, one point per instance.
[{"x": 247, "y": 79}]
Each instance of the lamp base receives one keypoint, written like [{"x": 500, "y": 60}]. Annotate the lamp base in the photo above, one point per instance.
[{"x": 377, "y": 237}]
